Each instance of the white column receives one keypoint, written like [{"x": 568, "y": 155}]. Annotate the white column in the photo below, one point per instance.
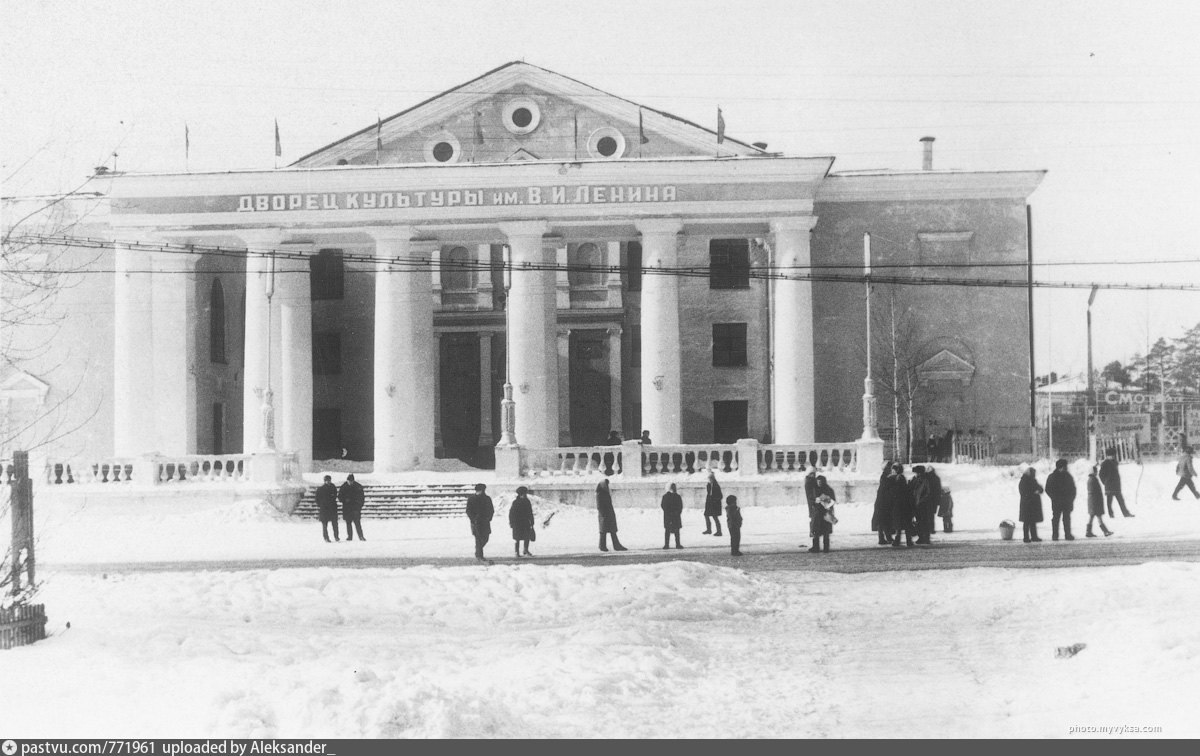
[
  {"x": 133, "y": 341},
  {"x": 564, "y": 386},
  {"x": 614, "y": 383},
  {"x": 533, "y": 355},
  {"x": 295, "y": 398},
  {"x": 661, "y": 379},
  {"x": 405, "y": 362},
  {"x": 792, "y": 329},
  {"x": 171, "y": 361},
  {"x": 262, "y": 329}
]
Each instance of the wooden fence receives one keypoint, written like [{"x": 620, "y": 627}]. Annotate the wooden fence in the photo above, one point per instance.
[{"x": 22, "y": 624}]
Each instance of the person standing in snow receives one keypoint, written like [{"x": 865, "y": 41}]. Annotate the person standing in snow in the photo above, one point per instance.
[
  {"x": 1110, "y": 476},
  {"x": 480, "y": 512},
  {"x": 932, "y": 494},
  {"x": 1186, "y": 471},
  {"x": 712, "y": 504},
  {"x": 880, "y": 517},
  {"x": 327, "y": 508},
  {"x": 821, "y": 526},
  {"x": 900, "y": 504},
  {"x": 672, "y": 508},
  {"x": 1031, "y": 504},
  {"x": 1095, "y": 502},
  {"x": 607, "y": 517},
  {"x": 352, "y": 497},
  {"x": 733, "y": 518},
  {"x": 520, "y": 519},
  {"x": 1060, "y": 487}
]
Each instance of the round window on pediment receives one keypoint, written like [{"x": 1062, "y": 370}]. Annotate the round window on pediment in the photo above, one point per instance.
[
  {"x": 522, "y": 115},
  {"x": 606, "y": 142},
  {"x": 442, "y": 148}
]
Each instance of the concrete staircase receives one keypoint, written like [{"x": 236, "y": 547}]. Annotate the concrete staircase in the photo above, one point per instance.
[{"x": 401, "y": 501}]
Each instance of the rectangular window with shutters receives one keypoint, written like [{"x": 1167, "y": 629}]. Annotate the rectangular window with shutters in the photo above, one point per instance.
[
  {"x": 327, "y": 354},
  {"x": 327, "y": 274},
  {"x": 729, "y": 264},
  {"x": 729, "y": 345}
]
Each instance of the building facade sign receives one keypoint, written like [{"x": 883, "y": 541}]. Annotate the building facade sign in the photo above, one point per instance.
[
  {"x": 560, "y": 194},
  {"x": 1140, "y": 400},
  {"x": 1124, "y": 424}
]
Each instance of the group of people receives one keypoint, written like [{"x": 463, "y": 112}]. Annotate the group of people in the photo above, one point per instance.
[
  {"x": 910, "y": 507},
  {"x": 351, "y": 495},
  {"x": 1103, "y": 488},
  {"x": 905, "y": 510}
]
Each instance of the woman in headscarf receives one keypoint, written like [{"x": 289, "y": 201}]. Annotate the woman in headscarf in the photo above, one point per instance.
[
  {"x": 520, "y": 519},
  {"x": 1031, "y": 504}
]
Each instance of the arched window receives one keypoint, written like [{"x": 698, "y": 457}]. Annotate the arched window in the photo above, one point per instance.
[
  {"x": 216, "y": 322},
  {"x": 456, "y": 276},
  {"x": 585, "y": 262}
]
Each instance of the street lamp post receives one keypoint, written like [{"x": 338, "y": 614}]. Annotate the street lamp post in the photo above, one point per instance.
[
  {"x": 870, "y": 421},
  {"x": 1091, "y": 392}
]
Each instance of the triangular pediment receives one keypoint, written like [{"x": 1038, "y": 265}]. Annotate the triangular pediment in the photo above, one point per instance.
[
  {"x": 521, "y": 109},
  {"x": 946, "y": 366},
  {"x": 22, "y": 385}
]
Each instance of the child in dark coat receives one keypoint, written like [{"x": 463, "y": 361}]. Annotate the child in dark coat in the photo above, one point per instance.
[{"x": 733, "y": 520}]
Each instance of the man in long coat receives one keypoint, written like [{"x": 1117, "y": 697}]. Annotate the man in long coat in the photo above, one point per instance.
[
  {"x": 672, "y": 508},
  {"x": 607, "y": 517},
  {"x": 924, "y": 502},
  {"x": 1110, "y": 476},
  {"x": 327, "y": 508},
  {"x": 712, "y": 504},
  {"x": 900, "y": 503},
  {"x": 480, "y": 512},
  {"x": 352, "y": 497},
  {"x": 1060, "y": 487}
]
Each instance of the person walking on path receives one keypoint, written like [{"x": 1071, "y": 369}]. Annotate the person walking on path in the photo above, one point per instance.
[
  {"x": 1186, "y": 471},
  {"x": 1031, "y": 504},
  {"x": 712, "y": 505},
  {"x": 1095, "y": 503},
  {"x": 821, "y": 526},
  {"x": 327, "y": 508},
  {"x": 607, "y": 517},
  {"x": 520, "y": 519},
  {"x": 1060, "y": 487},
  {"x": 672, "y": 507},
  {"x": 1110, "y": 476},
  {"x": 880, "y": 517},
  {"x": 900, "y": 504},
  {"x": 810, "y": 498},
  {"x": 352, "y": 497},
  {"x": 480, "y": 512},
  {"x": 733, "y": 518}
]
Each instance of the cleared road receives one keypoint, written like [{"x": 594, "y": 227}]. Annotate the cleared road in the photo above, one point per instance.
[{"x": 944, "y": 555}]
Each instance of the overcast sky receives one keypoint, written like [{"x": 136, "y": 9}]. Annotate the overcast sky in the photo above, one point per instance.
[{"x": 1104, "y": 95}]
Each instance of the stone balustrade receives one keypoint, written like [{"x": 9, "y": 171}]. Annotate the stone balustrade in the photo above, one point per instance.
[
  {"x": 745, "y": 458},
  {"x": 194, "y": 469}
]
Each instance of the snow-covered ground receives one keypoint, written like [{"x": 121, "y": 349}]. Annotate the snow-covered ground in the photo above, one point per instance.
[{"x": 671, "y": 649}]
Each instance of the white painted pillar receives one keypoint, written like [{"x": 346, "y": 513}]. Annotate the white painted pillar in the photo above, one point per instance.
[
  {"x": 533, "y": 355},
  {"x": 405, "y": 363},
  {"x": 171, "y": 359},
  {"x": 295, "y": 397},
  {"x": 614, "y": 383},
  {"x": 486, "y": 435},
  {"x": 564, "y": 386},
  {"x": 792, "y": 329},
  {"x": 133, "y": 347},
  {"x": 662, "y": 392},
  {"x": 262, "y": 328}
]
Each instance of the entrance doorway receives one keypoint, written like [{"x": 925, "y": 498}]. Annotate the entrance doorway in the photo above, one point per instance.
[
  {"x": 459, "y": 409},
  {"x": 591, "y": 397}
]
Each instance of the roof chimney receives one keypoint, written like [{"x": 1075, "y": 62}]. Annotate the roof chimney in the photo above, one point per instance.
[{"x": 927, "y": 159}]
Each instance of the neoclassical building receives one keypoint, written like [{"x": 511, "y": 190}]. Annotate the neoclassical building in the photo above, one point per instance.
[{"x": 622, "y": 268}]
